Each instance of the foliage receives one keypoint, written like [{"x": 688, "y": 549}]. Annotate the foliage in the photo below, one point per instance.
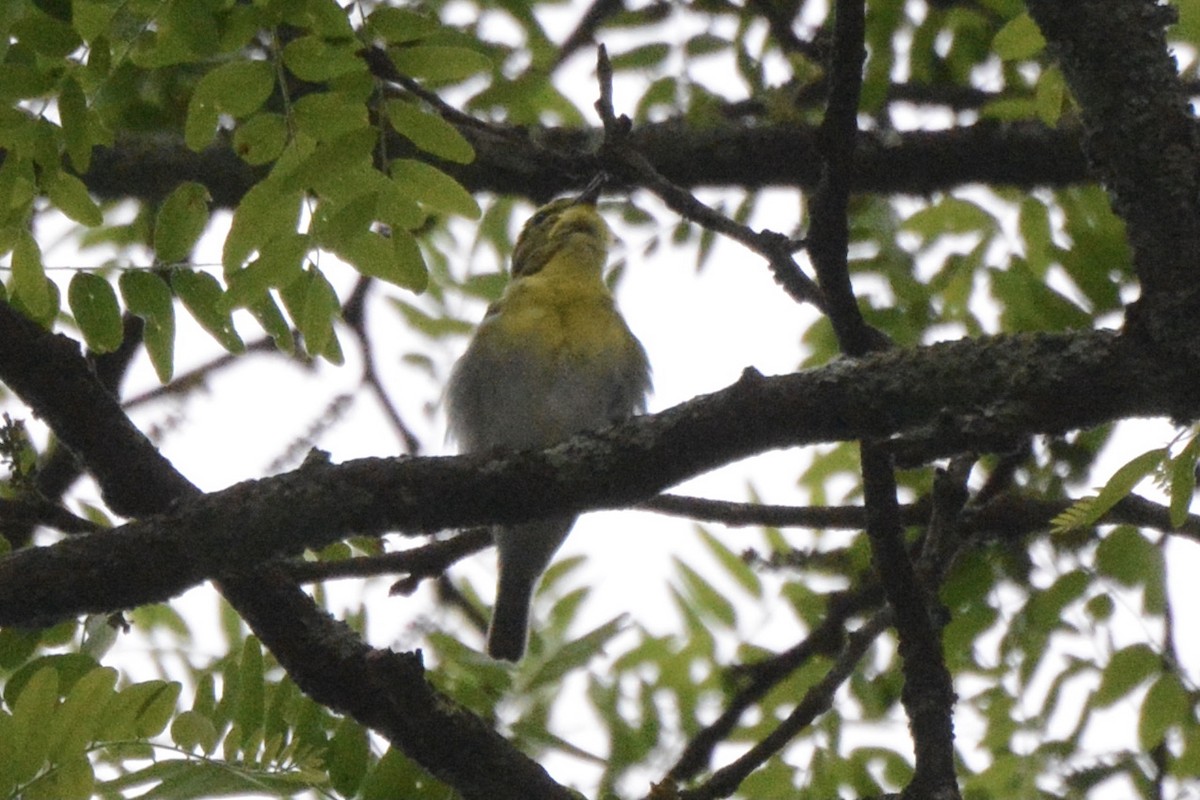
[{"x": 354, "y": 140}]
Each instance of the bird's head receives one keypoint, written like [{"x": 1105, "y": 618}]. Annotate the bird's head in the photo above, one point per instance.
[{"x": 567, "y": 221}]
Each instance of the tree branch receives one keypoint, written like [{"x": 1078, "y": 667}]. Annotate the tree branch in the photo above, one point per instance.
[
  {"x": 816, "y": 701},
  {"x": 978, "y": 392},
  {"x": 928, "y": 694},
  {"x": 826, "y": 639},
  {"x": 748, "y": 156},
  {"x": 618, "y": 154},
  {"x": 1145, "y": 145}
]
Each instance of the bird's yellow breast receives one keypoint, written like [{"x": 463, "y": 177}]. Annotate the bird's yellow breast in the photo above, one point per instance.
[{"x": 564, "y": 309}]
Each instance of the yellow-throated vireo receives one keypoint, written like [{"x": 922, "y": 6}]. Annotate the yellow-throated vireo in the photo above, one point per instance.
[{"x": 552, "y": 357}]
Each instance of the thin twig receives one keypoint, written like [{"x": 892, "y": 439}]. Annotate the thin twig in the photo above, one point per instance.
[
  {"x": 194, "y": 378},
  {"x": 417, "y": 563},
  {"x": 585, "y": 31},
  {"x": 618, "y": 156},
  {"x": 354, "y": 314},
  {"x": 826, "y": 639},
  {"x": 816, "y": 701}
]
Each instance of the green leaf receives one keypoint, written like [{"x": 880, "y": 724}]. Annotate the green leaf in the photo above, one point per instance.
[
  {"x": 200, "y": 125},
  {"x": 1187, "y": 764},
  {"x": 251, "y": 693},
  {"x": 143, "y": 709},
  {"x": 336, "y": 224},
  {"x": 1126, "y": 670},
  {"x": 1031, "y": 304},
  {"x": 314, "y": 59},
  {"x": 408, "y": 268},
  {"x": 202, "y": 295},
  {"x": 1100, "y": 608},
  {"x": 180, "y": 222},
  {"x": 396, "y": 25},
  {"x": 70, "y": 667},
  {"x": 70, "y": 196},
  {"x": 265, "y": 213},
  {"x": 703, "y": 44},
  {"x": 1034, "y": 225},
  {"x": 434, "y": 188},
  {"x": 312, "y": 304},
  {"x": 328, "y": 115},
  {"x": 276, "y": 267},
  {"x": 1183, "y": 481},
  {"x": 1087, "y": 511},
  {"x": 646, "y": 56},
  {"x": 78, "y": 721},
  {"x": 48, "y": 35},
  {"x": 1019, "y": 39},
  {"x": 1128, "y": 557},
  {"x": 703, "y": 596},
  {"x": 1049, "y": 95},
  {"x": 733, "y": 564},
  {"x": 59, "y": 9},
  {"x": 396, "y": 775},
  {"x": 267, "y": 312},
  {"x": 439, "y": 63},
  {"x": 191, "y": 730},
  {"x": 397, "y": 207},
  {"x": 16, "y": 646},
  {"x": 180, "y": 779},
  {"x": 261, "y": 138},
  {"x": 576, "y": 654},
  {"x": 327, "y": 168},
  {"x": 29, "y": 284},
  {"x": 149, "y": 297},
  {"x": 379, "y": 257},
  {"x": 32, "y": 710},
  {"x": 1045, "y": 607},
  {"x": 91, "y": 18},
  {"x": 429, "y": 132},
  {"x": 324, "y": 17},
  {"x": 71, "y": 779},
  {"x": 205, "y": 700},
  {"x": 238, "y": 88},
  {"x": 94, "y": 304},
  {"x": 349, "y": 757},
  {"x": 1166, "y": 706},
  {"x": 73, "y": 115},
  {"x": 435, "y": 326},
  {"x": 948, "y": 216}
]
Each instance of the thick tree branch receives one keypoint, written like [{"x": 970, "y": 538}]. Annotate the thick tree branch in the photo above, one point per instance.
[
  {"x": 49, "y": 372},
  {"x": 966, "y": 395},
  {"x": 1145, "y": 146},
  {"x": 749, "y": 156},
  {"x": 1139, "y": 133}
]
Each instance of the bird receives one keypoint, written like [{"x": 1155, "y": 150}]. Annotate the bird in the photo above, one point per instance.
[{"x": 551, "y": 358}]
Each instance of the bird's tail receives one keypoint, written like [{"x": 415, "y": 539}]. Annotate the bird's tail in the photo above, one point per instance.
[{"x": 524, "y": 553}]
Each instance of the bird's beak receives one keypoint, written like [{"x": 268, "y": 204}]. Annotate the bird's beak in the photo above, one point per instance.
[{"x": 591, "y": 193}]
